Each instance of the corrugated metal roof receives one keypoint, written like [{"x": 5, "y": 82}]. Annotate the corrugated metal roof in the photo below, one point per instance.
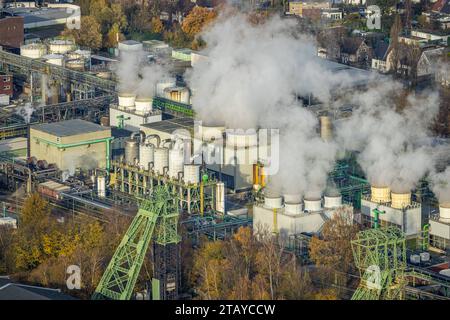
[
  {"x": 171, "y": 125},
  {"x": 69, "y": 127}
]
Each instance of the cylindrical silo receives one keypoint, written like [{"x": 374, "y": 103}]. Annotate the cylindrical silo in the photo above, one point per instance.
[
  {"x": 220, "y": 197},
  {"x": 59, "y": 46},
  {"x": 101, "y": 186},
  {"x": 176, "y": 162},
  {"x": 444, "y": 212},
  {"x": 326, "y": 128},
  {"x": 380, "y": 194},
  {"x": 191, "y": 173},
  {"x": 312, "y": 205},
  {"x": 33, "y": 50},
  {"x": 131, "y": 151},
  {"x": 241, "y": 147},
  {"x": 146, "y": 155},
  {"x": 161, "y": 160}
]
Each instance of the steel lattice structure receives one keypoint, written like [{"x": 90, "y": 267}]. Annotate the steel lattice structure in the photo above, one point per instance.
[
  {"x": 157, "y": 218},
  {"x": 380, "y": 256}
]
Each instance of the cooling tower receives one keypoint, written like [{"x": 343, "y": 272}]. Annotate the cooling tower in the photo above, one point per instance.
[
  {"x": 444, "y": 212},
  {"x": 326, "y": 128},
  {"x": 332, "y": 201},
  {"x": 400, "y": 200},
  {"x": 312, "y": 205},
  {"x": 380, "y": 194},
  {"x": 127, "y": 101},
  {"x": 293, "y": 207},
  {"x": 143, "y": 105}
]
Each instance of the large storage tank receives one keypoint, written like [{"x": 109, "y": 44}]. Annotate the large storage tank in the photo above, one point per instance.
[
  {"x": 241, "y": 148},
  {"x": 400, "y": 200},
  {"x": 191, "y": 173},
  {"x": 61, "y": 46},
  {"x": 163, "y": 84},
  {"x": 146, "y": 155},
  {"x": 76, "y": 64},
  {"x": 127, "y": 101},
  {"x": 56, "y": 59},
  {"x": 161, "y": 160},
  {"x": 176, "y": 162},
  {"x": 33, "y": 50},
  {"x": 131, "y": 151},
  {"x": 444, "y": 212},
  {"x": 312, "y": 205},
  {"x": 143, "y": 105},
  {"x": 380, "y": 194}
]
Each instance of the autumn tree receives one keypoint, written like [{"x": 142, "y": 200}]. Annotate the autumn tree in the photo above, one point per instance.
[
  {"x": 196, "y": 20},
  {"x": 332, "y": 250},
  {"x": 156, "y": 25},
  {"x": 394, "y": 47},
  {"x": 89, "y": 35}
]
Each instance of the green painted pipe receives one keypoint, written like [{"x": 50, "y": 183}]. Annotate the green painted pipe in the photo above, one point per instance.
[{"x": 82, "y": 143}]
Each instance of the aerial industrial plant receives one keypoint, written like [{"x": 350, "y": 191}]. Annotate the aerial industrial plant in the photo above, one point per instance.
[{"x": 149, "y": 155}]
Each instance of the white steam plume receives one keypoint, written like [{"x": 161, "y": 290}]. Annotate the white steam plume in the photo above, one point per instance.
[
  {"x": 251, "y": 79},
  {"x": 440, "y": 184},
  {"x": 137, "y": 76},
  {"x": 390, "y": 142}
]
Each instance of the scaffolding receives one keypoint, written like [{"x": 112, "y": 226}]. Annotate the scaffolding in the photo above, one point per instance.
[
  {"x": 156, "y": 219},
  {"x": 192, "y": 198},
  {"x": 380, "y": 256}
]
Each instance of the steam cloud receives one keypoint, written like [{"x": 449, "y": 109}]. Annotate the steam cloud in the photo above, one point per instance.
[
  {"x": 440, "y": 184},
  {"x": 137, "y": 76},
  {"x": 393, "y": 145},
  {"x": 251, "y": 79}
]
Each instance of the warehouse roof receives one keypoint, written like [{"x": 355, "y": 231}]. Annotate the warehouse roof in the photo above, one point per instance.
[
  {"x": 171, "y": 125},
  {"x": 17, "y": 291},
  {"x": 69, "y": 127}
]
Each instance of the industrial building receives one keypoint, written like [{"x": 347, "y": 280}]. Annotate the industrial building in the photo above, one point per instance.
[
  {"x": 440, "y": 228},
  {"x": 289, "y": 216},
  {"x": 389, "y": 208},
  {"x": 71, "y": 144}
]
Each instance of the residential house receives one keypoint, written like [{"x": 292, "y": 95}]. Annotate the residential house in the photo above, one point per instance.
[
  {"x": 379, "y": 58},
  {"x": 355, "y": 51}
]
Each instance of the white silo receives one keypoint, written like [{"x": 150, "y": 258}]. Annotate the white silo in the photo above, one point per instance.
[
  {"x": 146, "y": 155},
  {"x": 33, "y": 50},
  {"x": 176, "y": 162},
  {"x": 101, "y": 186},
  {"x": 161, "y": 160},
  {"x": 191, "y": 173},
  {"x": 220, "y": 197}
]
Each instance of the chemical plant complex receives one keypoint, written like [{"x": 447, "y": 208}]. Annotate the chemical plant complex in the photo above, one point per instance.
[{"x": 193, "y": 146}]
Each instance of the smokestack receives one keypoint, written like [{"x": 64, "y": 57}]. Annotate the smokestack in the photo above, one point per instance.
[
  {"x": 444, "y": 212},
  {"x": 326, "y": 128},
  {"x": 380, "y": 194},
  {"x": 400, "y": 200}
]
